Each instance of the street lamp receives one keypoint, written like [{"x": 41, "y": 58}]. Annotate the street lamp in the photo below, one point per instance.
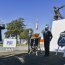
[{"x": 29, "y": 34}]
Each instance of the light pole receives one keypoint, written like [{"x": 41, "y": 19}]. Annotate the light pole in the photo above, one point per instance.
[{"x": 30, "y": 34}]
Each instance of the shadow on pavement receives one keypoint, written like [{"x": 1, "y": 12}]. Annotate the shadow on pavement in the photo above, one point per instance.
[{"x": 32, "y": 59}]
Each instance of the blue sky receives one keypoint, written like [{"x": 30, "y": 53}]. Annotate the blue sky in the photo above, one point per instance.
[{"x": 32, "y": 11}]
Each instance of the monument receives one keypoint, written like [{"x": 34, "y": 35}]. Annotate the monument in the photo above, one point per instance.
[{"x": 58, "y": 31}]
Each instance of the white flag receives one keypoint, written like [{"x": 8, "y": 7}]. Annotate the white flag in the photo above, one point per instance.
[{"x": 36, "y": 26}]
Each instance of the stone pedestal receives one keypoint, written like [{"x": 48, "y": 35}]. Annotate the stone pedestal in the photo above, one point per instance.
[{"x": 58, "y": 26}]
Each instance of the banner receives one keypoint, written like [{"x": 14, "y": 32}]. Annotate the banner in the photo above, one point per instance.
[{"x": 9, "y": 43}]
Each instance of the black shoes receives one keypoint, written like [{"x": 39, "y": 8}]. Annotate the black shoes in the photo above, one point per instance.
[{"x": 46, "y": 55}]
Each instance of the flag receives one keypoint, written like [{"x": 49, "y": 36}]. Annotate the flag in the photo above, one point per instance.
[{"x": 36, "y": 26}]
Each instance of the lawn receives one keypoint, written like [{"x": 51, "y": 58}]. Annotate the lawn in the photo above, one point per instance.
[{"x": 1, "y": 44}]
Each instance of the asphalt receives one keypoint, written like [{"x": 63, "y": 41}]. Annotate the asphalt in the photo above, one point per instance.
[{"x": 32, "y": 59}]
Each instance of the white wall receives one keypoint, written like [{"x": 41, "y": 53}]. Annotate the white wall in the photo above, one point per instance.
[{"x": 58, "y": 26}]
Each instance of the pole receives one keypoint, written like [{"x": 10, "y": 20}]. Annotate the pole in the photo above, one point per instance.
[{"x": 0, "y": 35}]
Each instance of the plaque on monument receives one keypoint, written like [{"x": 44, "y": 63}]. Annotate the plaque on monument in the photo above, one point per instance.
[{"x": 61, "y": 40}]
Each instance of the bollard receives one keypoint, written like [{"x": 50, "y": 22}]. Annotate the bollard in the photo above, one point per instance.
[{"x": 64, "y": 53}]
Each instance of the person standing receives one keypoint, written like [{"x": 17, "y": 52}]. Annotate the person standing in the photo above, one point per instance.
[{"x": 47, "y": 35}]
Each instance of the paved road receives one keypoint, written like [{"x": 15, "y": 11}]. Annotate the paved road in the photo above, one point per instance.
[
  {"x": 19, "y": 56},
  {"x": 25, "y": 59}
]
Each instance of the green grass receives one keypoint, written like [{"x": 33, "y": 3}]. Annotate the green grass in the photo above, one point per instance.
[
  {"x": 18, "y": 44},
  {"x": 21, "y": 44}
]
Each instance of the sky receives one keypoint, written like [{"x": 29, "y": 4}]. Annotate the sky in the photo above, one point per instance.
[{"x": 40, "y": 11}]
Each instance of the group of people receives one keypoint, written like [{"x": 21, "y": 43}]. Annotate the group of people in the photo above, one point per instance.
[{"x": 47, "y": 35}]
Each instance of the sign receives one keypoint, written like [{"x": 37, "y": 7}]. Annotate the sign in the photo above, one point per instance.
[{"x": 9, "y": 43}]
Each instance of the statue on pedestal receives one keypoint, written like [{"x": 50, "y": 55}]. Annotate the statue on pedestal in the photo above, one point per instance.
[{"x": 57, "y": 12}]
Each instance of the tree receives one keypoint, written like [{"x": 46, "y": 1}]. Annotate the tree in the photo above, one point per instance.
[
  {"x": 25, "y": 34},
  {"x": 42, "y": 31},
  {"x": 15, "y": 27}
]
